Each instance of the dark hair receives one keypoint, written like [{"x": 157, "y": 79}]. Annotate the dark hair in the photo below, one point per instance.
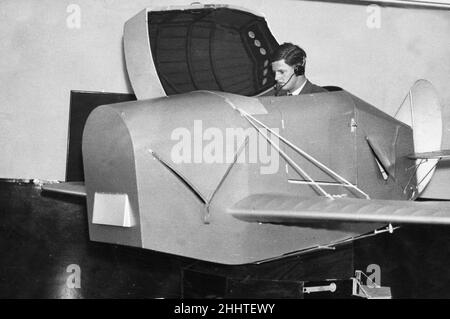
[{"x": 291, "y": 53}]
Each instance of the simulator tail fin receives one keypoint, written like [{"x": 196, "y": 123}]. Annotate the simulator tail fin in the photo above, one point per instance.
[{"x": 421, "y": 110}]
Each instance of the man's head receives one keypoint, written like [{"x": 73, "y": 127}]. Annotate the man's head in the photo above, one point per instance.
[{"x": 288, "y": 63}]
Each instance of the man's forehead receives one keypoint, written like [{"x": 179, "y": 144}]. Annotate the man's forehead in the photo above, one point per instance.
[{"x": 280, "y": 64}]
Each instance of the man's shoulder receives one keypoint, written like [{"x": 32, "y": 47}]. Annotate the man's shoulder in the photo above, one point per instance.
[{"x": 312, "y": 88}]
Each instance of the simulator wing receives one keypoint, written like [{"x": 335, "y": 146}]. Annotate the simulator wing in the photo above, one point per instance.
[
  {"x": 439, "y": 155},
  {"x": 69, "y": 188},
  {"x": 284, "y": 209}
]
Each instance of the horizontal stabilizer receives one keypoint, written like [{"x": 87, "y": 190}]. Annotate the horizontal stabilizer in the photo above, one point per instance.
[
  {"x": 440, "y": 155},
  {"x": 288, "y": 209}
]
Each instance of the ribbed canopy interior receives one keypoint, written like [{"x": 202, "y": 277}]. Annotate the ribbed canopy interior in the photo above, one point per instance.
[{"x": 220, "y": 49}]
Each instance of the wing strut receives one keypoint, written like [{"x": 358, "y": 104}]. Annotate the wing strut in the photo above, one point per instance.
[
  {"x": 294, "y": 165},
  {"x": 343, "y": 182}
]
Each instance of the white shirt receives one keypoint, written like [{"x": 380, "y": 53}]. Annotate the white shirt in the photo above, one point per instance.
[{"x": 296, "y": 92}]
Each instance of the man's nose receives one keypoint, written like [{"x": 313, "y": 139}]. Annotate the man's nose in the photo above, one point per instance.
[{"x": 277, "y": 77}]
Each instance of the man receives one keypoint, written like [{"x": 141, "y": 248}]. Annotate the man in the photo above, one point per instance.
[{"x": 288, "y": 64}]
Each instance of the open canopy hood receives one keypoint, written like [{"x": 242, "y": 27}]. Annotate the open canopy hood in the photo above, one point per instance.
[{"x": 201, "y": 47}]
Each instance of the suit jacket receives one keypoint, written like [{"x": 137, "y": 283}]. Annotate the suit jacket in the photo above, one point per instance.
[{"x": 311, "y": 88}]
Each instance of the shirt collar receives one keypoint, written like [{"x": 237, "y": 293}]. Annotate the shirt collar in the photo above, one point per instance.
[{"x": 297, "y": 92}]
